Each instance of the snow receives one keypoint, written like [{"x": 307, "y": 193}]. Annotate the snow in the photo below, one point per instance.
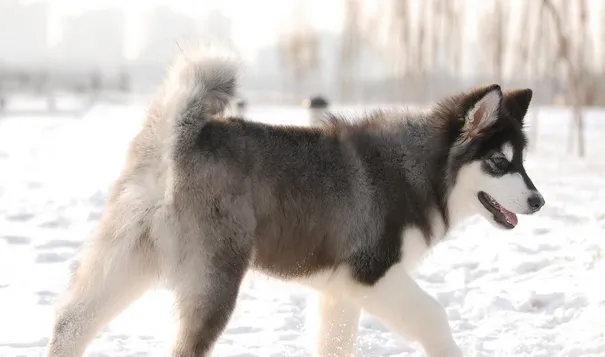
[{"x": 535, "y": 291}]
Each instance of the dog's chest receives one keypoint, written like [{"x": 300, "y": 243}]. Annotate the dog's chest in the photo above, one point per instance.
[{"x": 414, "y": 247}]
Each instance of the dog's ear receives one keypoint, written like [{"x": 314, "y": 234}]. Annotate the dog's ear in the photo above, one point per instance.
[
  {"x": 483, "y": 110},
  {"x": 516, "y": 102}
]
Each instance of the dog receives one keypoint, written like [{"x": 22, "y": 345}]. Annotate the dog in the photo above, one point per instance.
[{"x": 348, "y": 208}]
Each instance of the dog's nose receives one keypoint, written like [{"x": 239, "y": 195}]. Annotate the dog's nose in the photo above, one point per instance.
[{"x": 535, "y": 202}]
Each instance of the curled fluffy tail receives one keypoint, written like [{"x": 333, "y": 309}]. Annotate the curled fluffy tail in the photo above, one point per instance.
[{"x": 200, "y": 85}]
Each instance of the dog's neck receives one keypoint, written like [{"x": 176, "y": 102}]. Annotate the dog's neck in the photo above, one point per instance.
[
  {"x": 459, "y": 208},
  {"x": 421, "y": 151},
  {"x": 452, "y": 196}
]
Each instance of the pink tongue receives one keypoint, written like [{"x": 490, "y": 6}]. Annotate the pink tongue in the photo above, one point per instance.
[{"x": 510, "y": 217}]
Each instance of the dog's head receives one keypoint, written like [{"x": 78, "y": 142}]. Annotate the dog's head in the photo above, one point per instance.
[{"x": 485, "y": 162}]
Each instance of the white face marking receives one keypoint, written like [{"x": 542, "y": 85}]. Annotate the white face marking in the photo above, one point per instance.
[
  {"x": 507, "y": 150},
  {"x": 463, "y": 198},
  {"x": 509, "y": 190}
]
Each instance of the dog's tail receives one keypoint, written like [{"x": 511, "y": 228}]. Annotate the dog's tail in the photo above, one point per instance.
[{"x": 200, "y": 85}]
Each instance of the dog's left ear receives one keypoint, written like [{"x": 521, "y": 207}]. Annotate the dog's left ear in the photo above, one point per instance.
[
  {"x": 516, "y": 102},
  {"x": 484, "y": 110}
]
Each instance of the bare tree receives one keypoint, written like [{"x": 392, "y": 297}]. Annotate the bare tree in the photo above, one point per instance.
[
  {"x": 400, "y": 31},
  {"x": 495, "y": 37},
  {"x": 350, "y": 49},
  {"x": 446, "y": 17},
  {"x": 415, "y": 44},
  {"x": 300, "y": 50},
  {"x": 572, "y": 56},
  {"x": 451, "y": 32},
  {"x": 530, "y": 43}
]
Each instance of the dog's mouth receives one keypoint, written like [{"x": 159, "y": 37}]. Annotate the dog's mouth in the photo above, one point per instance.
[{"x": 502, "y": 216}]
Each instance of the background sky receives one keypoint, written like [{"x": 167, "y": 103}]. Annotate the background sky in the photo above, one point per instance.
[{"x": 256, "y": 23}]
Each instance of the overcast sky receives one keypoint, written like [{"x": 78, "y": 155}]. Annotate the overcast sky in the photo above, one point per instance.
[{"x": 256, "y": 23}]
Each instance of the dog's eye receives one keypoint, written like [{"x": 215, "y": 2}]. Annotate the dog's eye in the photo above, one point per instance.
[{"x": 499, "y": 162}]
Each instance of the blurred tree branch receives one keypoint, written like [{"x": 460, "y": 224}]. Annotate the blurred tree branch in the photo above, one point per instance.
[
  {"x": 300, "y": 50},
  {"x": 573, "y": 62},
  {"x": 350, "y": 48},
  {"x": 495, "y": 37}
]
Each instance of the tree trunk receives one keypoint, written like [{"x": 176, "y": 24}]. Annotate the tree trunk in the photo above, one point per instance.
[
  {"x": 574, "y": 72},
  {"x": 579, "y": 119}
]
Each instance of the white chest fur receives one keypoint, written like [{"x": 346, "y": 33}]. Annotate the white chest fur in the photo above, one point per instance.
[{"x": 414, "y": 243}]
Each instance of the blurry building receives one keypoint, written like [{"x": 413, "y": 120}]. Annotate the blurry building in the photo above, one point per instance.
[
  {"x": 217, "y": 26},
  {"x": 163, "y": 32},
  {"x": 23, "y": 35},
  {"x": 90, "y": 49}
]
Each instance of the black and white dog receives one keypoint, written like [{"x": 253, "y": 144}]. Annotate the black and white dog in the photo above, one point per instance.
[{"x": 348, "y": 208}]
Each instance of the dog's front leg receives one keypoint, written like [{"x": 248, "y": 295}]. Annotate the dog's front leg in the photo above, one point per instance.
[
  {"x": 335, "y": 327},
  {"x": 401, "y": 305}
]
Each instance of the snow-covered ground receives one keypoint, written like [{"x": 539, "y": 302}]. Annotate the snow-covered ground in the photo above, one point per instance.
[{"x": 536, "y": 291}]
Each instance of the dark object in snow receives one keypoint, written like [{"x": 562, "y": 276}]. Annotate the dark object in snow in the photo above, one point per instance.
[
  {"x": 241, "y": 104},
  {"x": 316, "y": 102}
]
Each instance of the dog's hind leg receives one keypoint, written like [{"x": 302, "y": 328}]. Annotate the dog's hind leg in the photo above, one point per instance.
[
  {"x": 335, "y": 331},
  {"x": 204, "y": 310},
  {"x": 214, "y": 250},
  {"x": 116, "y": 268}
]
